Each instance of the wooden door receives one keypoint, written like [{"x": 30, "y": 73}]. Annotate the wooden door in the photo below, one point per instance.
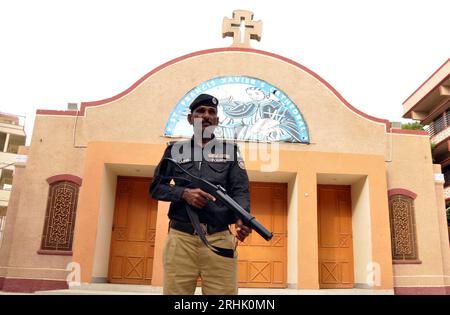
[
  {"x": 263, "y": 264},
  {"x": 335, "y": 237},
  {"x": 133, "y": 236}
]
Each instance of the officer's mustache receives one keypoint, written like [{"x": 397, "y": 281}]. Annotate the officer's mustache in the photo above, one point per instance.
[
  {"x": 206, "y": 127},
  {"x": 206, "y": 121},
  {"x": 198, "y": 122}
]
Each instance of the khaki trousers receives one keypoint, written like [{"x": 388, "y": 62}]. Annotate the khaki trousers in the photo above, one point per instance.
[{"x": 186, "y": 258}]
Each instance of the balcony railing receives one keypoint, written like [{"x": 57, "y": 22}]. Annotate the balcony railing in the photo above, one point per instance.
[
  {"x": 438, "y": 129},
  {"x": 12, "y": 148},
  {"x": 436, "y": 137}
]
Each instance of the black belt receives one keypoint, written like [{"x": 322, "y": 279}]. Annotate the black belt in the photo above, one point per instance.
[{"x": 187, "y": 227}]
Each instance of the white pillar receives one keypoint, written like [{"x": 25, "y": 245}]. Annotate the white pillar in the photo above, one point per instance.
[{"x": 5, "y": 147}]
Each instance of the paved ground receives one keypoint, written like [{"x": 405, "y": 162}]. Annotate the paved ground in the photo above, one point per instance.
[{"x": 126, "y": 289}]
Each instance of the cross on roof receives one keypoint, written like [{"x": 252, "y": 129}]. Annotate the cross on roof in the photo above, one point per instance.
[{"x": 242, "y": 28}]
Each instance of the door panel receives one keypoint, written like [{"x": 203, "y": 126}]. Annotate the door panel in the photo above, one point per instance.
[
  {"x": 262, "y": 263},
  {"x": 133, "y": 236},
  {"x": 335, "y": 237}
]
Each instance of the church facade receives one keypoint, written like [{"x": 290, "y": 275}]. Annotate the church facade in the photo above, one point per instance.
[{"x": 351, "y": 201}]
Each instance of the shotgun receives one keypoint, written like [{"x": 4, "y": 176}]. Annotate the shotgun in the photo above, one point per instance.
[{"x": 221, "y": 194}]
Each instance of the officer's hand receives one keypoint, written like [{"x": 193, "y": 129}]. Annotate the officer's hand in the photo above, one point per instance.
[
  {"x": 196, "y": 197},
  {"x": 242, "y": 231}
]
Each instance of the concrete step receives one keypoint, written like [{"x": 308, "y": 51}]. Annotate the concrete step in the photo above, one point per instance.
[
  {"x": 127, "y": 289},
  {"x": 106, "y": 289}
]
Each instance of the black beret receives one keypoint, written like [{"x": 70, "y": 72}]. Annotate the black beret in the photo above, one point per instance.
[{"x": 203, "y": 99}]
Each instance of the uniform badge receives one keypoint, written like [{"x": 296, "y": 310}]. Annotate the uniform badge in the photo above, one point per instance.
[
  {"x": 241, "y": 164},
  {"x": 218, "y": 157}
]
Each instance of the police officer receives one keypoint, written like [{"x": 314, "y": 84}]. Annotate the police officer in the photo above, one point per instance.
[{"x": 185, "y": 257}]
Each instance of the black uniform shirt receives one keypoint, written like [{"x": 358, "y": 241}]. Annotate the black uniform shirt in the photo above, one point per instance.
[{"x": 218, "y": 162}]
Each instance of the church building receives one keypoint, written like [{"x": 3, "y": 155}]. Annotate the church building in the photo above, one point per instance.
[{"x": 352, "y": 202}]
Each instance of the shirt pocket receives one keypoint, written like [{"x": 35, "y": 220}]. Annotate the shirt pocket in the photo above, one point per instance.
[
  {"x": 217, "y": 173},
  {"x": 218, "y": 167},
  {"x": 188, "y": 166}
]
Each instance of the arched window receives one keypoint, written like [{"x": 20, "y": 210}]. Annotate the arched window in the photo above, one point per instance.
[
  {"x": 60, "y": 215},
  {"x": 403, "y": 226}
]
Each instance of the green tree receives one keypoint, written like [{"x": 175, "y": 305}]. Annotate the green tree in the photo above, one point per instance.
[{"x": 413, "y": 126}]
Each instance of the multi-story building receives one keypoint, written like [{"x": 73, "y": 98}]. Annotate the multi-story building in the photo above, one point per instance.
[
  {"x": 12, "y": 135},
  {"x": 430, "y": 104}
]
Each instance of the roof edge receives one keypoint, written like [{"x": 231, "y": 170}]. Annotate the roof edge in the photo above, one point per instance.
[
  {"x": 409, "y": 132},
  {"x": 442, "y": 66},
  {"x": 84, "y": 105}
]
